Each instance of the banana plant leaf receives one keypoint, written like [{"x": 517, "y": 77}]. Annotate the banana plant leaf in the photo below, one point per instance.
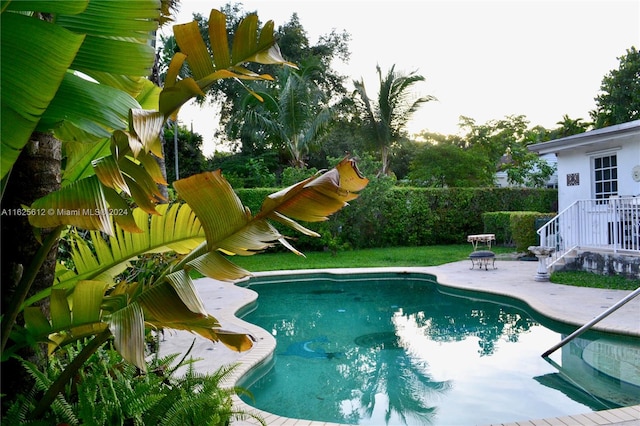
[
  {"x": 96, "y": 109},
  {"x": 80, "y": 157},
  {"x": 60, "y": 7},
  {"x": 231, "y": 229},
  {"x": 316, "y": 198},
  {"x": 189, "y": 314},
  {"x": 80, "y": 204},
  {"x": 37, "y": 55},
  {"x": 46, "y": 50},
  {"x": 73, "y": 316}
]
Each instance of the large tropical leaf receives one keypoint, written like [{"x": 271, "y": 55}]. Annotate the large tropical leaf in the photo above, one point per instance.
[
  {"x": 189, "y": 314},
  {"x": 92, "y": 36},
  {"x": 127, "y": 327},
  {"x": 227, "y": 224},
  {"x": 175, "y": 229},
  {"x": 74, "y": 315},
  {"x": 316, "y": 198},
  {"x": 231, "y": 229},
  {"x": 96, "y": 109},
  {"x": 35, "y": 58},
  {"x": 208, "y": 67}
]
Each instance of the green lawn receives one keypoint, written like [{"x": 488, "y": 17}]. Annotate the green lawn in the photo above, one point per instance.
[
  {"x": 395, "y": 256},
  {"x": 408, "y": 256}
]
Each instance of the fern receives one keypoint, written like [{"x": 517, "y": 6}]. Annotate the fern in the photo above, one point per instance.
[
  {"x": 108, "y": 391},
  {"x": 61, "y": 410}
]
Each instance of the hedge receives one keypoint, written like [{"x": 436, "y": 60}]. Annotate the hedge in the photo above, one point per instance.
[
  {"x": 515, "y": 228},
  {"x": 385, "y": 215}
]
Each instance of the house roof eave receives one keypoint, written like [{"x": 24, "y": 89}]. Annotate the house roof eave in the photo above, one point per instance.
[{"x": 593, "y": 137}]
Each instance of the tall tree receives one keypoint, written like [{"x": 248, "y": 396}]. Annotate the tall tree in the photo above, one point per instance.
[
  {"x": 388, "y": 116},
  {"x": 294, "y": 44},
  {"x": 441, "y": 161},
  {"x": 191, "y": 160},
  {"x": 570, "y": 126},
  {"x": 293, "y": 117},
  {"x": 619, "y": 97},
  {"x": 502, "y": 145}
]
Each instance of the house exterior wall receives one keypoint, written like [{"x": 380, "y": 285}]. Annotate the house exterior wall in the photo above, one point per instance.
[
  {"x": 609, "y": 231},
  {"x": 575, "y": 169}
]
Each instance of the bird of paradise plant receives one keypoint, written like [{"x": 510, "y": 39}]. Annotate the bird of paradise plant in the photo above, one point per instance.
[{"x": 105, "y": 175}]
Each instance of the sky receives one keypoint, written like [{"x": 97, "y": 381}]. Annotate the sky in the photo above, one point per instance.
[{"x": 481, "y": 59}]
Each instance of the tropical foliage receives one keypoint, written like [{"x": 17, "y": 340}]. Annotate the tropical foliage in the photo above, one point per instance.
[
  {"x": 619, "y": 97},
  {"x": 386, "y": 119},
  {"x": 106, "y": 132},
  {"x": 292, "y": 118},
  {"x": 108, "y": 392}
]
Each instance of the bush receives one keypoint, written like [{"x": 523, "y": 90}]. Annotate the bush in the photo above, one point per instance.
[
  {"x": 498, "y": 223},
  {"x": 523, "y": 229},
  {"x": 386, "y": 215},
  {"x": 293, "y": 175}
]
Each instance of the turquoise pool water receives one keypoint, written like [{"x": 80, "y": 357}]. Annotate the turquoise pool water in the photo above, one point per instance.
[{"x": 393, "y": 349}]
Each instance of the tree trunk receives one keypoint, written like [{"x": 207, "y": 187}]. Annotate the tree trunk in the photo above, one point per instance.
[
  {"x": 384, "y": 154},
  {"x": 36, "y": 173}
]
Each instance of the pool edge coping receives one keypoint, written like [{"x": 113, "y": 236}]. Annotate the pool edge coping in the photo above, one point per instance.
[{"x": 265, "y": 344}]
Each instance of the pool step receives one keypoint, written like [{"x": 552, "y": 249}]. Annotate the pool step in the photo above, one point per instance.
[{"x": 620, "y": 361}]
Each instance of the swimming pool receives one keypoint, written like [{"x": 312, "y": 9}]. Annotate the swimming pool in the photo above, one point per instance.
[{"x": 394, "y": 349}]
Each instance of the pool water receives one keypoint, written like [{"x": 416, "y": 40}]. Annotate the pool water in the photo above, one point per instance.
[{"x": 393, "y": 349}]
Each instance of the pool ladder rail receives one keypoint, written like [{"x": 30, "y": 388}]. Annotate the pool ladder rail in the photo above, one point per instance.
[{"x": 593, "y": 322}]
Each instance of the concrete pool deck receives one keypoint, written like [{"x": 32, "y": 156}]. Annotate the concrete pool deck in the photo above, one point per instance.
[{"x": 571, "y": 305}]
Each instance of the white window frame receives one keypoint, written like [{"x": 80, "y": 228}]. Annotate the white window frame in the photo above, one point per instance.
[{"x": 604, "y": 169}]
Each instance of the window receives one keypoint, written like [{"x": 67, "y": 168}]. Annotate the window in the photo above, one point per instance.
[{"x": 605, "y": 176}]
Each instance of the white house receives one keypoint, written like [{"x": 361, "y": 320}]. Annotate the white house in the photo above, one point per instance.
[{"x": 598, "y": 196}]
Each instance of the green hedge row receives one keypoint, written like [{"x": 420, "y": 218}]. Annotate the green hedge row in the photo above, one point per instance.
[
  {"x": 385, "y": 215},
  {"x": 515, "y": 228}
]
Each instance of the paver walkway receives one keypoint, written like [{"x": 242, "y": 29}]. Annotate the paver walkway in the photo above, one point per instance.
[{"x": 571, "y": 305}]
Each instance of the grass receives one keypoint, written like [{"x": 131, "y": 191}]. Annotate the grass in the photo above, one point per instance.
[
  {"x": 588, "y": 279},
  {"x": 409, "y": 256},
  {"x": 366, "y": 258}
]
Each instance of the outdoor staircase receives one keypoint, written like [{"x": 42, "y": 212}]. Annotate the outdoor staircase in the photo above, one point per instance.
[{"x": 609, "y": 225}]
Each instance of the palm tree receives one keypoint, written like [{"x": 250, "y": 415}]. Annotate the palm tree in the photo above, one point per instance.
[
  {"x": 293, "y": 117},
  {"x": 388, "y": 117},
  {"x": 569, "y": 126}
]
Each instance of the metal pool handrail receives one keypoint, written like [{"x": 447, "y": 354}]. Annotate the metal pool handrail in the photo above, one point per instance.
[{"x": 591, "y": 323}]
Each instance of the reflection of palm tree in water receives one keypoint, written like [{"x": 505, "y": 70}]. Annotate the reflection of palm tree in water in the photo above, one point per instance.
[{"x": 405, "y": 382}]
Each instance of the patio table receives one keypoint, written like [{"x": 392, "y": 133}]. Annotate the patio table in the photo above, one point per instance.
[{"x": 485, "y": 239}]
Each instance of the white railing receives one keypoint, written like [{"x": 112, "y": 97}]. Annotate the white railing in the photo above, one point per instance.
[{"x": 611, "y": 224}]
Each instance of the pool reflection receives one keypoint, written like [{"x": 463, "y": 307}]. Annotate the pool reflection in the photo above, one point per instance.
[{"x": 398, "y": 352}]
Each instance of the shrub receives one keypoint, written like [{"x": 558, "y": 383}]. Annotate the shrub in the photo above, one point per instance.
[
  {"x": 386, "y": 215},
  {"x": 523, "y": 228},
  {"x": 293, "y": 175},
  {"x": 498, "y": 223}
]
